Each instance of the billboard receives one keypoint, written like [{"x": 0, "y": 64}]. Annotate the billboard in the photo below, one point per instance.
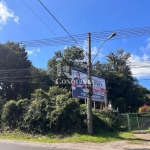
[{"x": 79, "y": 86}]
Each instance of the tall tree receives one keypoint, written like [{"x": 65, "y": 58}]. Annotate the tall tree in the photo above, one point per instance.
[
  {"x": 40, "y": 79},
  {"x": 14, "y": 71},
  {"x": 68, "y": 59},
  {"x": 122, "y": 88}
]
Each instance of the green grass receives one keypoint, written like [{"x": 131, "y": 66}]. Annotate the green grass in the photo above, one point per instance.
[{"x": 100, "y": 137}]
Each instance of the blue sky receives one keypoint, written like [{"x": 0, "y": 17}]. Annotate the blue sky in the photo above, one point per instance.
[{"x": 18, "y": 23}]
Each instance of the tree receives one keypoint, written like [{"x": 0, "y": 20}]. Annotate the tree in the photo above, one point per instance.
[
  {"x": 122, "y": 88},
  {"x": 14, "y": 71},
  {"x": 69, "y": 57},
  {"x": 40, "y": 79}
]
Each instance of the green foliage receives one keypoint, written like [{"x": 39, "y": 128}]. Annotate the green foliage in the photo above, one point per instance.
[
  {"x": 2, "y": 103},
  {"x": 51, "y": 107},
  {"x": 39, "y": 94},
  {"x": 67, "y": 118},
  {"x": 104, "y": 121},
  {"x": 83, "y": 109},
  {"x": 12, "y": 58},
  {"x": 40, "y": 79},
  {"x": 56, "y": 90},
  {"x": 36, "y": 117},
  {"x": 55, "y": 112},
  {"x": 22, "y": 108},
  {"x": 69, "y": 56},
  {"x": 122, "y": 88},
  {"x": 10, "y": 114},
  {"x": 100, "y": 137}
]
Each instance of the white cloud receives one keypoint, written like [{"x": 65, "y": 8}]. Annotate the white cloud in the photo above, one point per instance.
[
  {"x": 30, "y": 52},
  {"x": 38, "y": 50},
  {"x": 94, "y": 53},
  {"x": 124, "y": 41},
  {"x": 16, "y": 19},
  {"x": 33, "y": 52},
  {"x": 85, "y": 45},
  {"x": 6, "y": 14},
  {"x": 65, "y": 47},
  {"x": 147, "y": 47},
  {"x": 145, "y": 57},
  {"x": 94, "y": 50},
  {"x": 140, "y": 66}
]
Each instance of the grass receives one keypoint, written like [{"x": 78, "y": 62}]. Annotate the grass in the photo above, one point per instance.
[{"x": 100, "y": 137}]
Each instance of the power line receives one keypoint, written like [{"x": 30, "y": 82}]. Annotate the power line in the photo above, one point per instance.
[
  {"x": 60, "y": 24},
  {"x": 10, "y": 74},
  {"x": 96, "y": 37},
  {"x": 43, "y": 22},
  {"x": 40, "y": 19},
  {"x": 124, "y": 33}
]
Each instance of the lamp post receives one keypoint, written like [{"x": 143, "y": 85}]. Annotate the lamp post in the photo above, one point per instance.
[
  {"x": 90, "y": 85},
  {"x": 112, "y": 35}
]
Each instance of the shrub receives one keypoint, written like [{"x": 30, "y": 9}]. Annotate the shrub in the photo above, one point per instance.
[
  {"x": 144, "y": 108},
  {"x": 36, "y": 119},
  {"x": 68, "y": 118},
  {"x": 103, "y": 120},
  {"x": 22, "y": 109},
  {"x": 10, "y": 114}
]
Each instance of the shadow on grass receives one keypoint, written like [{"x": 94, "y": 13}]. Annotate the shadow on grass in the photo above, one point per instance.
[{"x": 120, "y": 136}]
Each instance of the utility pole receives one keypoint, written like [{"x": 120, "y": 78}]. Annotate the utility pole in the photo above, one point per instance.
[{"x": 89, "y": 89}]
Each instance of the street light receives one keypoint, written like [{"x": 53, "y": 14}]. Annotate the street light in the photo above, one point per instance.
[
  {"x": 90, "y": 86},
  {"x": 112, "y": 35}
]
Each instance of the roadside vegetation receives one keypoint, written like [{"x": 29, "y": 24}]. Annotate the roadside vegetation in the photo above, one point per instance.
[
  {"x": 33, "y": 107},
  {"x": 101, "y": 137}
]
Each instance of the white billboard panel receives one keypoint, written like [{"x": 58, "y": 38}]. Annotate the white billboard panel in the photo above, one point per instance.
[{"x": 79, "y": 86}]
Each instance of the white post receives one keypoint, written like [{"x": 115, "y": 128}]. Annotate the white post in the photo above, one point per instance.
[
  {"x": 94, "y": 104},
  {"x": 105, "y": 100},
  {"x": 85, "y": 101}
]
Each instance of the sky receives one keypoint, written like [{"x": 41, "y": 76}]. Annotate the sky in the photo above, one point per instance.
[{"x": 19, "y": 21}]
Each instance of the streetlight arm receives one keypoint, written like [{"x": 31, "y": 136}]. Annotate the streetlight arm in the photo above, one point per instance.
[
  {"x": 112, "y": 35},
  {"x": 100, "y": 49}
]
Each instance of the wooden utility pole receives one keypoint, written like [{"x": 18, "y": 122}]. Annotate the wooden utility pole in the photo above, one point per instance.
[{"x": 89, "y": 89}]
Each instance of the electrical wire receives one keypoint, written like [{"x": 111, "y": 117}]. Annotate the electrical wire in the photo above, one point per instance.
[
  {"x": 10, "y": 75},
  {"x": 42, "y": 21},
  {"x": 60, "y": 24},
  {"x": 95, "y": 37}
]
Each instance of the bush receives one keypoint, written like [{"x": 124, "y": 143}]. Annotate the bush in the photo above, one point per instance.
[
  {"x": 10, "y": 114},
  {"x": 36, "y": 119},
  {"x": 103, "y": 120},
  {"x": 68, "y": 118},
  {"x": 22, "y": 109}
]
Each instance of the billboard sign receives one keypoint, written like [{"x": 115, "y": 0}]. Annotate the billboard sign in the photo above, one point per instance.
[{"x": 79, "y": 86}]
